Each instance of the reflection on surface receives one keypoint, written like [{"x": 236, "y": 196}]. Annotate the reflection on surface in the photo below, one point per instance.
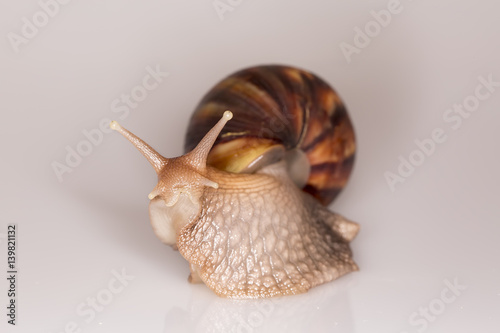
[{"x": 326, "y": 306}]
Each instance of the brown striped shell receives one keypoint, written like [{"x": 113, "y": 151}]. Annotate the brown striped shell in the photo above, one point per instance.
[{"x": 279, "y": 106}]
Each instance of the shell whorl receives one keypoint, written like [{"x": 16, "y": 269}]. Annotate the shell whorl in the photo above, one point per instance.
[{"x": 280, "y": 105}]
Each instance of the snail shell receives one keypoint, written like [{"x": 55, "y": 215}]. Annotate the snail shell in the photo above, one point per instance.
[
  {"x": 279, "y": 109},
  {"x": 235, "y": 212}
]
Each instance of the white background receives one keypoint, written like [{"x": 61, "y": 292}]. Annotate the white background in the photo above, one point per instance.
[{"x": 441, "y": 224}]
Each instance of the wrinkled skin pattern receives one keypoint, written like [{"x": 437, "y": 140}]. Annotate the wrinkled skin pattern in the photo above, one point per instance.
[{"x": 259, "y": 236}]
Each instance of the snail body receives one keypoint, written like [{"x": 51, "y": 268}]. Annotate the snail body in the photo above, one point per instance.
[{"x": 250, "y": 224}]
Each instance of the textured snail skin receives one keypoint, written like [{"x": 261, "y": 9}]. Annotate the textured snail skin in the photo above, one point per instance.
[
  {"x": 259, "y": 236},
  {"x": 245, "y": 235}
]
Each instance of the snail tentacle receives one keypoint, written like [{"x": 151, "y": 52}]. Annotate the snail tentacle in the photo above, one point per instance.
[{"x": 153, "y": 157}]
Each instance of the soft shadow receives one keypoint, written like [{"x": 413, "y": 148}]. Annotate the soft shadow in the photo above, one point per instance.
[{"x": 325, "y": 308}]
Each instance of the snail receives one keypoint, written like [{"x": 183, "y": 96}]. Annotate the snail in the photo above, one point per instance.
[{"x": 246, "y": 204}]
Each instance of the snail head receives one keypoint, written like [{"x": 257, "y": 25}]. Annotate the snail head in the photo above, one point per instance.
[{"x": 186, "y": 174}]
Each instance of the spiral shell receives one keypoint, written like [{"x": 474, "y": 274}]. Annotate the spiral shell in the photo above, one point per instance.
[{"x": 279, "y": 107}]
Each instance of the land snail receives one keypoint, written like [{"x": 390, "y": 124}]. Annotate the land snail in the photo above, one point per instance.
[{"x": 246, "y": 204}]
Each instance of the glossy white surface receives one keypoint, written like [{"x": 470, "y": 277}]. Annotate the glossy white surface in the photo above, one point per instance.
[{"x": 439, "y": 227}]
